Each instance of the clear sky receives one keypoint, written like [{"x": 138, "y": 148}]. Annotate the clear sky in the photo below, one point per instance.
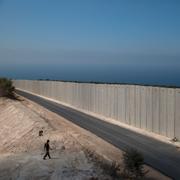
[{"x": 71, "y": 39}]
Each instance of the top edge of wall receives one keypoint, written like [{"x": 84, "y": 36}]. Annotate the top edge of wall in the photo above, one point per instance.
[{"x": 104, "y": 83}]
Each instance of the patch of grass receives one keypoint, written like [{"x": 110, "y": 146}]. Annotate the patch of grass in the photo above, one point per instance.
[{"x": 112, "y": 169}]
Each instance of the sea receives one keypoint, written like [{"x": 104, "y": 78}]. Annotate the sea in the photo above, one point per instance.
[{"x": 155, "y": 76}]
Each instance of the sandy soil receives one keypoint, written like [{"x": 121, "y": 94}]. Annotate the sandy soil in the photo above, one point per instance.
[{"x": 21, "y": 147}]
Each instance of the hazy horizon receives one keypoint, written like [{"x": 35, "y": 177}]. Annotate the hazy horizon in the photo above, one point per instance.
[{"x": 119, "y": 41}]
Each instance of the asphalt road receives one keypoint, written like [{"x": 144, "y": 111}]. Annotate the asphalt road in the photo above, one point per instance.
[{"x": 161, "y": 156}]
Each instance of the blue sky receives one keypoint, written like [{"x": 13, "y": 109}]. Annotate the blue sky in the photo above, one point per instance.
[{"x": 78, "y": 35}]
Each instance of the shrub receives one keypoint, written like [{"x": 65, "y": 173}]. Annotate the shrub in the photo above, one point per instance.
[
  {"x": 133, "y": 164},
  {"x": 114, "y": 169},
  {"x": 6, "y": 88}
]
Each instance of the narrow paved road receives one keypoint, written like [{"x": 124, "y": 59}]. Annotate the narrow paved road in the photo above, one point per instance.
[{"x": 162, "y": 156}]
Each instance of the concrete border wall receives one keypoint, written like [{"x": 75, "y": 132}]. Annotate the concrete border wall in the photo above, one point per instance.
[{"x": 154, "y": 109}]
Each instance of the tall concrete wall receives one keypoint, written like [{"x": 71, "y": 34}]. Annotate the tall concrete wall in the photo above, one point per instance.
[{"x": 154, "y": 109}]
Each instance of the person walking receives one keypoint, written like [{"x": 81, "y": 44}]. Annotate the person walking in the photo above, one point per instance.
[{"x": 47, "y": 148}]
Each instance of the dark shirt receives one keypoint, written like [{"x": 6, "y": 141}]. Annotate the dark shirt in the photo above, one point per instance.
[{"x": 46, "y": 146}]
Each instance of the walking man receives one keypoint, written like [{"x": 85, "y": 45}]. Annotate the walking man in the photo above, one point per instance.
[{"x": 47, "y": 148}]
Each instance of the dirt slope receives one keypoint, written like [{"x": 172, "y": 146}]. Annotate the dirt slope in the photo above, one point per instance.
[{"x": 21, "y": 148}]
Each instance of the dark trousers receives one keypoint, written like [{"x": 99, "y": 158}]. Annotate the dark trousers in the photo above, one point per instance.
[{"x": 47, "y": 154}]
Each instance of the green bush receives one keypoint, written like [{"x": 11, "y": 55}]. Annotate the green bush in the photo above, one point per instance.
[
  {"x": 133, "y": 164},
  {"x": 6, "y": 88}
]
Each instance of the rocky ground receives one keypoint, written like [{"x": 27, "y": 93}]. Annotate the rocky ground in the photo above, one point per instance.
[{"x": 21, "y": 147}]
